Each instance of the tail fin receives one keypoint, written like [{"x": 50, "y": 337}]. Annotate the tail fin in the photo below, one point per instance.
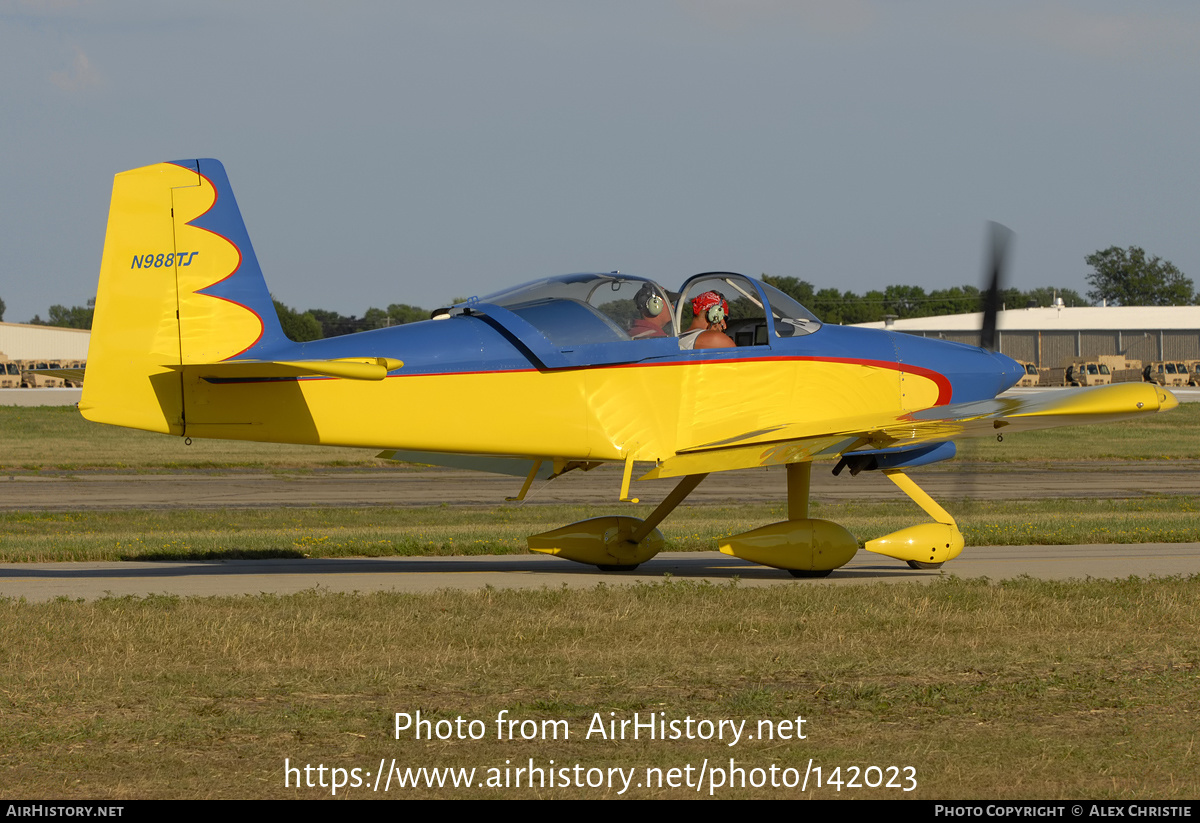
[{"x": 179, "y": 285}]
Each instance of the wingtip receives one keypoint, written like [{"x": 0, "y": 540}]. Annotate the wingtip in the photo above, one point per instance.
[{"x": 1166, "y": 400}]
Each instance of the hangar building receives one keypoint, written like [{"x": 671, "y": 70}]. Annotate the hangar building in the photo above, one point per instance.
[
  {"x": 1048, "y": 337},
  {"x": 21, "y": 341}
]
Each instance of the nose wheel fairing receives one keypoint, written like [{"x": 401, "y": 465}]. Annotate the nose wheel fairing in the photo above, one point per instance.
[{"x": 926, "y": 544}]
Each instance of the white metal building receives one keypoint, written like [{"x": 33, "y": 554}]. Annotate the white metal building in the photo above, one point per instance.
[
  {"x": 21, "y": 341},
  {"x": 1050, "y": 336}
]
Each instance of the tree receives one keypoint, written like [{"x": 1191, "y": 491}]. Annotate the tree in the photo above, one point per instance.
[
  {"x": 903, "y": 301},
  {"x": 865, "y": 309},
  {"x": 1127, "y": 278},
  {"x": 374, "y": 318},
  {"x": 404, "y": 313},
  {"x": 1045, "y": 296},
  {"x": 333, "y": 324},
  {"x": 827, "y": 305},
  {"x": 800, "y": 290},
  {"x": 76, "y": 317},
  {"x": 298, "y": 327},
  {"x": 954, "y": 300},
  {"x": 1, "y": 310}
]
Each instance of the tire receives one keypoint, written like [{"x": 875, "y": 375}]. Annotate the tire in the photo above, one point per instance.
[
  {"x": 810, "y": 573},
  {"x": 618, "y": 567},
  {"x": 917, "y": 564}
]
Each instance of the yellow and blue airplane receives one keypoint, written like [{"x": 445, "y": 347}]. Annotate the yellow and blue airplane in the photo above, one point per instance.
[{"x": 555, "y": 375}]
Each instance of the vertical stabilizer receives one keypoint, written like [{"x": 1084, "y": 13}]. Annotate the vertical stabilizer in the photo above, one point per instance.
[{"x": 179, "y": 285}]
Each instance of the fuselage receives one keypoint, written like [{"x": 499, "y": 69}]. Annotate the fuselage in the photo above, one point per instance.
[{"x": 485, "y": 381}]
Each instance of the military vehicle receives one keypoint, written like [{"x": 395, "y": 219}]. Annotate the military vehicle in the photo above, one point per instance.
[
  {"x": 1166, "y": 373},
  {"x": 1032, "y": 376},
  {"x": 1089, "y": 373},
  {"x": 10, "y": 373}
]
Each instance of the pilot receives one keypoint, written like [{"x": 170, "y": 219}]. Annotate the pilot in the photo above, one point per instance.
[
  {"x": 654, "y": 311},
  {"x": 709, "y": 312}
]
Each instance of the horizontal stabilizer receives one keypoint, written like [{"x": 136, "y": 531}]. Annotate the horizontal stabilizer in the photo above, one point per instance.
[
  {"x": 74, "y": 375},
  {"x": 350, "y": 368}
]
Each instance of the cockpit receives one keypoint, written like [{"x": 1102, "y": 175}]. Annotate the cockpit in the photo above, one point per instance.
[{"x": 582, "y": 309}]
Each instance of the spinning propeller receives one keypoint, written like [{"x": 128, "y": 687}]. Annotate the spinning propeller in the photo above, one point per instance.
[{"x": 999, "y": 238}]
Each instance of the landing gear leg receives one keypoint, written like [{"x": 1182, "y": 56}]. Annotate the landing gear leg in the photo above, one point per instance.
[
  {"x": 799, "y": 483},
  {"x": 924, "y": 546},
  {"x": 682, "y": 489},
  {"x": 614, "y": 544}
]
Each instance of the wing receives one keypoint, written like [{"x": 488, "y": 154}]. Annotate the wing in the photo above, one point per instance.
[{"x": 792, "y": 444}]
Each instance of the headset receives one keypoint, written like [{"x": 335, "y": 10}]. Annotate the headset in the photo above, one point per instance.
[
  {"x": 648, "y": 301},
  {"x": 715, "y": 313}
]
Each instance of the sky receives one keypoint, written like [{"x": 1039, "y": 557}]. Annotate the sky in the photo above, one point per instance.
[{"x": 413, "y": 152}]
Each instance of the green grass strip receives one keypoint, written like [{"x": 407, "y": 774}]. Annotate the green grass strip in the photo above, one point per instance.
[{"x": 452, "y": 530}]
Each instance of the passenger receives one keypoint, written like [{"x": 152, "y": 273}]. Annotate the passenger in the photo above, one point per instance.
[
  {"x": 655, "y": 313},
  {"x": 709, "y": 313}
]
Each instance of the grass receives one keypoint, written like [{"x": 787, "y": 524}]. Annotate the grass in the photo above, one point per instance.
[
  {"x": 1168, "y": 436},
  {"x": 1021, "y": 689},
  {"x": 57, "y": 438},
  {"x": 181, "y": 534},
  {"x": 37, "y": 438},
  {"x": 1025, "y": 689}
]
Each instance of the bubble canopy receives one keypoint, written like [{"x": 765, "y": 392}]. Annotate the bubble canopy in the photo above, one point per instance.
[{"x": 585, "y": 308}]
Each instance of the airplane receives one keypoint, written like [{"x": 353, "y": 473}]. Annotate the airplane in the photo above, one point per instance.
[{"x": 560, "y": 374}]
